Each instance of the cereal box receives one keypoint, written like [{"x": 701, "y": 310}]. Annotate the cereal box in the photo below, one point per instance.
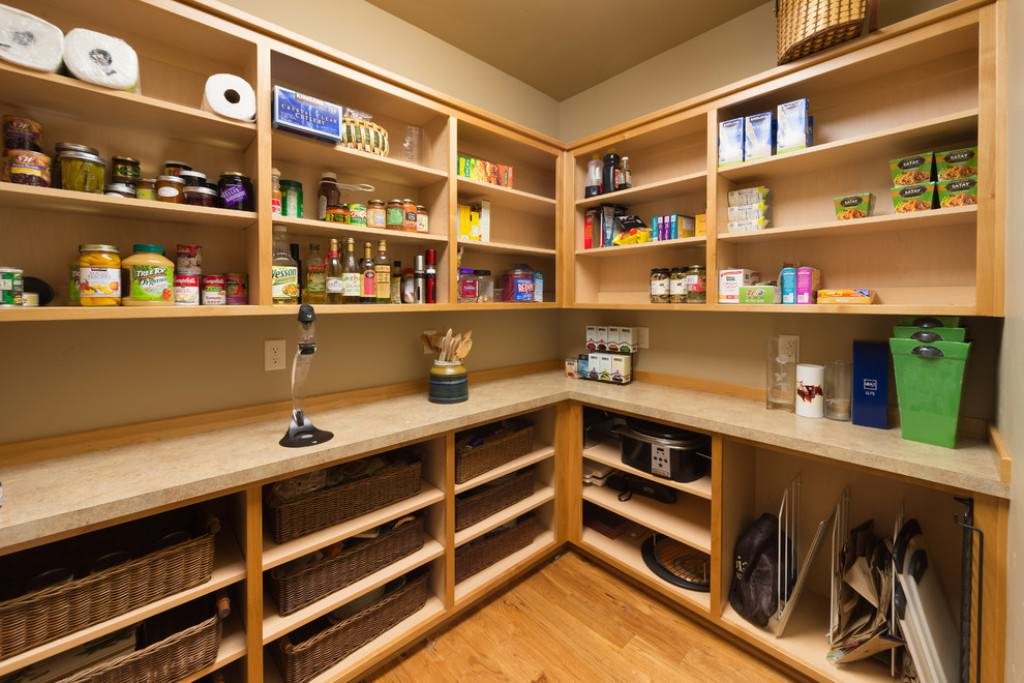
[
  {"x": 913, "y": 198},
  {"x": 956, "y": 164},
  {"x": 962, "y": 192},
  {"x": 913, "y": 169},
  {"x": 730, "y": 142}
]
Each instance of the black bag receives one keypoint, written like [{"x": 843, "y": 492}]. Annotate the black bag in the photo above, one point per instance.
[{"x": 754, "y": 592}]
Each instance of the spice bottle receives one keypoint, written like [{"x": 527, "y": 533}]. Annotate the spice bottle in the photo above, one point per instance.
[
  {"x": 275, "y": 192},
  {"x": 660, "y": 286}
]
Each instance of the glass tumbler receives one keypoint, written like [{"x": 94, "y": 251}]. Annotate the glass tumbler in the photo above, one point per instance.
[
  {"x": 838, "y": 390},
  {"x": 411, "y": 144}
]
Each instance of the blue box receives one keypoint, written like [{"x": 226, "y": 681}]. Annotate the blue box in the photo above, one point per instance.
[
  {"x": 730, "y": 142},
  {"x": 787, "y": 283},
  {"x": 758, "y": 136},
  {"x": 673, "y": 227},
  {"x": 794, "y": 126},
  {"x": 871, "y": 384},
  {"x": 307, "y": 115}
]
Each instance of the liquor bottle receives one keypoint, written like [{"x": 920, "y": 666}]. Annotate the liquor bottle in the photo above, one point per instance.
[
  {"x": 368, "y": 291},
  {"x": 382, "y": 271},
  {"x": 335, "y": 276},
  {"x": 625, "y": 173},
  {"x": 396, "y": 282},
  {"x": 430, "y": 295},
  {"x": 316, "y": 274},
  {"x": 351, "y": 274},
  {"x": 296, "y": 253}
]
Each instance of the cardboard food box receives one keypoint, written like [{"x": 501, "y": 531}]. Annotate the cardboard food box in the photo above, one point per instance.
[
  {"x": 956, "y": 164},
  {"x": 913, "y": 198},
  {"x": 794, "y": 130},
  {"x": 730, "y": 142},
  {"x": 853, "y": 206},
  {"x": 846, "y": 296},
  {"x": 758, "y": 136},
  {"x": 729, "y": 282},
  {"x": 961, "y": 192},
  {"x": 760, "y": 294},
  {"x": 912, "y": 170},
  {"x": 748, "y": 195},
  {"x": 621, "y": 371},
  {"x": 700, "y": 225},
  {"x": 749, "y": 225}
]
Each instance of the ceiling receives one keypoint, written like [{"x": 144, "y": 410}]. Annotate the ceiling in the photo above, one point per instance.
[{"x": 562, "y": 47}]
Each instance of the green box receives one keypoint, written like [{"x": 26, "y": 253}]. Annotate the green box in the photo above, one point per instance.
[
  {"x": 853, "y": 206},
  {"x": 956, "y": 164},
  {"x": 929, "y": 384},
  {"x": 760, "y": 294},
  {"x": 961, "y": 192},
  {"x": 928, "y": 321},
  {"x": 912, "y": 170},
  {"x": 911, "y": 198}
]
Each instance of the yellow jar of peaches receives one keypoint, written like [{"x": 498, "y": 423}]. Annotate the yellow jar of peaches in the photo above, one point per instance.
[{"x": 99, "y": 275}]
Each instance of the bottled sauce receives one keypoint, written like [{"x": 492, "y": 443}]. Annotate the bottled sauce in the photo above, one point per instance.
[
  {"x": 394, "y": 215},
  {"x": 328, "y": 194},
  {"x": 376, "y": 214},
  {"x": 420, "y": 280},
  {"x": 422, "y": 219},
  {"x": 275, "y": 192},
  {"x": 409, "y": 285},
  {"x": 284, "y": 271},
  {"x": 430, "y": 278},
  {"x": 382, "y": 273},
  {"x": 334, "y": 276},
  {"x": 608, "y": 171},
  {"x": 351, "y": 274},
  {"x": 593, "y": 186},
  {"x": 296, "y": 253},
  {"x": 625, "y": 175},
  {"x": 396, "y": 282},
  {"x": 409, "y": 215},
  {"x": 368, "y": 289}
]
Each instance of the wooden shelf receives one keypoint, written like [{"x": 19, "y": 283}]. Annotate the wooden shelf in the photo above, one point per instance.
[
  {"x": 542, "y": 495},
  {"x": 688, "y": 520},
  {"x": 883, "y": 145},
  {"x": 507, "y": 197},
  {"x": 531, "y": 458},
  {"x": 602, "y": 252},
  {"x": 543, "y": 544},
  {"x": 505, "y": 248},
  {"x": 857, "y": 309},
  {"x": 354, "y": 165},
  {"x": 228, "y": 568},
  {"x": 936, "y": 218},
  {"x": 608, "y": 454},
  {"x": 232, "y": 648},
  {"x": 662, "y": 189},
  {"x": 15, "y": 196},
  {"x": 275, "y": 555},
  {"x": 275, "y": 625},
  {"x": 122, "y": 109},
  {"x": 310, "y": 226},
  {"x": 623, "y": 553}
]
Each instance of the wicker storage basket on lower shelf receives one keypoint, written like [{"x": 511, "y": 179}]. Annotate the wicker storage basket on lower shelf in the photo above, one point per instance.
[
  {"x": 302, "y": 661},
  {"x": 483, "y": 501},
  {"x": 481, "y": 553},
  {"x": 30, "y": 620},
  {"x": 296, "y": 589},
  {"x": 337, "y": 504},
  {"x": 492, "y": 453}
]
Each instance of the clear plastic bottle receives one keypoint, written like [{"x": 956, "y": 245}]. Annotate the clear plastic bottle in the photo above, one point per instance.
[
  {"x": 284, "y": 271},
  {"x": 593, "y": 187}
]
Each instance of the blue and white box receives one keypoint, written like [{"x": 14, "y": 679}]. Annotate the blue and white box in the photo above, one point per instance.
[
  {"x": 794, "y": 126},
  {"x": 871, "y": 384},
  {"x": 758, "y": 136},
  {"x": 307, "y": 115},
  {"x": 730, "y": 142}
]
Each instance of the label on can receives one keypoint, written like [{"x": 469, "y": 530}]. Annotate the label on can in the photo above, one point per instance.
[
  {"x": 284, "y": 284},
  {"x": 73, "y": 294},
  {"x": 236, "y": 287},
  {"x": 148, "y": 283},
  {"x": 186, "y": 289},
  {"x": 99, "y": 283},
  {"x": 189, "y": 256},
  {"x": 422, "y": 222},
  {"x": 394, "y": 216},
  {"x": 12, "y": 285},
  {"x": 291, "y": 202}
]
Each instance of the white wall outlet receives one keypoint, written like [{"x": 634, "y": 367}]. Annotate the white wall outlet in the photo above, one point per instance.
[
  {"x": 273, "y": 355},
  {"x": 643, "y": 337},
  {"x": 427, "y": 351}
]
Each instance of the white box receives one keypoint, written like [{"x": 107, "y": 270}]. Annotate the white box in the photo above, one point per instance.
[
  {"x": 730, "y": 142},
  {"x": 729, "y": 282},
  {"x": 591, "y": 337},
  {"x": 794, "y": 130},
  {"x": 758, "y": 136},
  {"x": 612, "y": 340},
  {"x": 621, "y": 369},
  {"x": 627, "y": 340}
]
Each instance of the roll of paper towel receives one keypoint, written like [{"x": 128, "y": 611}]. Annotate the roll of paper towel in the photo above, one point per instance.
[
  {"x": 101, "y": 59},
  {"x": 229, "y": 96},
  {"x": 28, "y": 41}
]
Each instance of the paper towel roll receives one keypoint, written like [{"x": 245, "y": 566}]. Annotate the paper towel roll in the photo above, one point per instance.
[
  {"x": 810, "y": 395},
  {"x": 28, "y": 41},
  {"x": 229, "y": 96},
  {"x": 101, "y": 59}
]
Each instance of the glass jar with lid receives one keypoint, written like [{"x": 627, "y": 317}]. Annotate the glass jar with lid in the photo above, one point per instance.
[
  {"x": 660, "y": 281},
  {"x": 170, "y": 189},
  {"x": 696, "y": 285},
  {"x": 99, "y": 275},
  {"x": 284, "y": 271},
  {"x": 376, "y": 214},
  {"x": 62, "y": 147},
  {"x": 395, "y": 215},
  {"x": 328, "y": 194},
  {"x": 677, "y": 286},
  {"x": 485, "y": 286},
  {"x": 124, "y": 169},
  {"x": 81, "y": 172},
  {"x": 469, "y": 286},
  {"x": 145, "y": 188},
  {"x": 422, "y": 219},
  {"x": 236, "y": 192},
  {"x": 410, "y": 215}
]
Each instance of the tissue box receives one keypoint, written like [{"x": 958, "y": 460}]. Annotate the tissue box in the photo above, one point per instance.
[
  {"x": 730, "y": 142},
  {"x": 758, "y": 136},
  {"x": 760, "y": 294},
  {"x": 304, "y": 114},
  {"x": 793, "y": 127},
  {"x": 729, "y": 282}
]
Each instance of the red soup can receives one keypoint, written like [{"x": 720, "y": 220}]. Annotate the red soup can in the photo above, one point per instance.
[
  {"x": 237, "y": 285},
  {"x": 213, "y": 290}
]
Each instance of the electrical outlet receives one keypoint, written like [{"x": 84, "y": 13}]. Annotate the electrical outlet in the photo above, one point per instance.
[
  {"x": 643, "y": 337},
  {"x": 427, "y": 351},
  {"x": 273, "y": 355}
]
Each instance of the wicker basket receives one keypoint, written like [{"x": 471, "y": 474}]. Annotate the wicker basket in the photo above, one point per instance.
[
  {"x": 481, "y": 553},
  {"x": 484, "y": 501},
  {"x": 30, "y": 620},
  {"x": 294, "y": 590},
  {"x": 366, "y": 136},
  {"x": 493, "y": 453},
  {"x": 809, "y": 26},
  {"x": 331, "y": 506},
  {"x": 171, "y": 659},
  {"x": 302, "y": 661}
]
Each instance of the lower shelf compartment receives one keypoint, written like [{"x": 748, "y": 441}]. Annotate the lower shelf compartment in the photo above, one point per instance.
[
  {"x": 232, "y": 648},
  {"x": 688, "y": 520},
  {"x": 481, "y": 581}
]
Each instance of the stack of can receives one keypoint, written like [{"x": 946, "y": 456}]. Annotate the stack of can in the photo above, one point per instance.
[{"x": 192, "y": 288}]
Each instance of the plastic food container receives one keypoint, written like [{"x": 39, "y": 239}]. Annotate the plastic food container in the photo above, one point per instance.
[
  {"x": 22, "y": 133},
  {"x": 25, "y": 167},
  {"x": 469, "y": 286},
  {"x": 200, "y": 196},
  {"x": 99, "y": 275},
  {"x": 149, "y": 277},
  {"x": 518, "y": 284}
]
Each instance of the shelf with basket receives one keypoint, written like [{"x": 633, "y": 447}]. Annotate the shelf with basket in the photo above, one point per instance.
[
  {"x": 541, "y": 545},
  {"x": 542, "y": 495},
  {"x": 232, "y": 648},
  {"x": 531, "y": 458}
]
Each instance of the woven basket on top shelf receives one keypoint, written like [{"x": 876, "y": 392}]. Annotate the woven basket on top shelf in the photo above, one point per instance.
[
  {"x": 809, "y": 26},
  {"x": 481, "y": 553},
  {"x": 483, "y": 501},
  {"x": 494, "y": 452}
]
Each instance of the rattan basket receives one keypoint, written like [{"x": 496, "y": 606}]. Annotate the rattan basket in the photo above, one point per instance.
[
  {"x": 302, "y": 661},
  {"x": 481, "y": 553},
  {"x": 366, "y": 136},
  {"x": 809, "y": 26},
  {"x": 485, "y": 500},
  {"x": 331, "y": 506},
  {"x": 296, "y": 589},
  {"x": 30, "y": 620},
  {"x": 492, "y": 453}
]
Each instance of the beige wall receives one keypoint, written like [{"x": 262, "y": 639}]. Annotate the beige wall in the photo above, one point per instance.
[{"x": 369, "y": 33}]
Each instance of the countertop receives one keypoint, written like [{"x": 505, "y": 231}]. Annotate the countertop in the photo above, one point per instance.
[{"x": 62, "y": 494}]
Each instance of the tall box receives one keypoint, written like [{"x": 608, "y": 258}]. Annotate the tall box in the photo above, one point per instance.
[{"x": 871, "y": 384}]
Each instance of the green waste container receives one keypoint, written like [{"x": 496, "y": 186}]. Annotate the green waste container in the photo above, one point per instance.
[
  {"x": 930, "y": 335},
  {"x": 929, "y": 383}
]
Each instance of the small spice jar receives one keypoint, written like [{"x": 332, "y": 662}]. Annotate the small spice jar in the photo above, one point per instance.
[
  {"x": 145, "y": 188},
  {"x": 469, "y": 286},
  {"x": 124, "y": 169},
  {"x": 357, "y": 214},
  {"x": 120, "y": 189},
  {"x": 81, "y": 172},
  {"x": 200, "y": 196},
  {"x": 170, "y": 189},
  {"x": 422, "y": 219},
  {"x": 99, "y": 275},
  {"x": 236, "y": 192},
  {"x": 485, "y": 286},
  {"x": 410, "y": 216},
  {"x": 395, "y": 215},
  {"x": 193, "y": 178},
  {"x": 696, "y": 285},
  {"x": 677, "y": 286},
  {"x": 376, "y": 214},
  {"x": 660, "y": 285},
  {"x": 175, "y": 167},
  {"x": 25, "y": 167}
]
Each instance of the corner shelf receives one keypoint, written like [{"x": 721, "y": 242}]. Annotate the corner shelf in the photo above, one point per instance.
[
  {"x": 602, "y": 252},
  {"x": 313, "y": 227},
  {"x": 935, "y": 218},
  {"x": 688, "y": 520},
  {"x": 608, "y": 454},
  {"x": 505, "y": 248},
  {"x": 543, "y": 494},
  {"x": 531, "y": 458},
  {"x": 661, "y": 189},
  {"x": 507, "y": 197}
]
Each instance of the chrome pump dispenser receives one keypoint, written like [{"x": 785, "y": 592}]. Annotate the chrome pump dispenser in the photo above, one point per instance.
[{"x": 301, "y": 432}]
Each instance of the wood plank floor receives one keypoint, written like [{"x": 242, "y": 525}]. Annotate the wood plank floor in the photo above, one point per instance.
[{"x": 572, "y": 620}]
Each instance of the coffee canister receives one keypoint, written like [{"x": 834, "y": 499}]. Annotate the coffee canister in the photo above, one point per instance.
[{"x": 810, "y": 393}]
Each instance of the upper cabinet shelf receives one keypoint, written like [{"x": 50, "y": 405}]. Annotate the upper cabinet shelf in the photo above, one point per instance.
[
  {"x": 507, "y": 197},
  {"x": 659, "y": 189},
  {"x": 936, "y": 218}
]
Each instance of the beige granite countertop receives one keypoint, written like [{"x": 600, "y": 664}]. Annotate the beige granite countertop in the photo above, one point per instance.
[{"x": 57, "y": 495}]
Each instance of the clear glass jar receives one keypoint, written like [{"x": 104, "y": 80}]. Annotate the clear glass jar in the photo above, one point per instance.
[
  {"x": 485, "y": 287},
  {"x": 395, "y": 215},
  {"x": 677, "y": 286},
  {"x": 81, "y": 172},
  {"x": 660, "y": 280},
  {"x": 410, "y": 215},
  {"x": 328, "y": 194},
  {"x": 284, "y": 271},
  {"x": 469, "y": 286},
  {"x": 696, "y": 285},
  {"x": 422, "y": 219},
  {"x": 376, "y": 214},
  {"x": 99, "y": 275}
]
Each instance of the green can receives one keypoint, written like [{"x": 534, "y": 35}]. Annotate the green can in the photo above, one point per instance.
[
  {"x": 12, "y": 284},
  {"x": 357, "y": 214},
  {"x": 291, "y": 198}
]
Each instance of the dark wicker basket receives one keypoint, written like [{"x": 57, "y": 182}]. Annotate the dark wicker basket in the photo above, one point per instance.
[
  {"x": 481, "y": 553},
  {"x": 30, "y": 620},
  {"x": 171, "y": 659},
  {"x": 331, "y": 506},
  {"x": 300, "y": 662},
  {"x": 493, "y": 453},
  {"x": 294, "y": 590},
  {"x": 483, "y": 501}
]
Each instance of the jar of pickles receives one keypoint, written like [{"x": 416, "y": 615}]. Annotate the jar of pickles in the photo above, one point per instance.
[
  {"x": 696, "y": 285},
  {"x": 395, "y": 215},
  {"x": 376, "y": 214},
  {"x": 61, "y": 148},
  {"x": 145, "y": 188},
  {"x": 124, "y": 169},
  {"x": 99, "y": 275},
  {"x": 81, "y": 172},
  {"x": 677, "y": 286},
  {"x": 660, "y": 285}
]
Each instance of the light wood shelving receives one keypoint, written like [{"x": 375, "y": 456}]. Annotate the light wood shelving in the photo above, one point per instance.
[
  {"x": 688, "y": 520},
  {"x": 484, "y": 580},
  {"x": 507, "y": 197},
  {"x": 640, "y": 194},
  {"x": 543, "y": 494},
  {"x": 232, "y": 648},
  {"x": 506, "y": 248},
  {"x": 533, "y": 457},
  {"x": 608, "y": 454},
  {"x": 309, "y": 226}
]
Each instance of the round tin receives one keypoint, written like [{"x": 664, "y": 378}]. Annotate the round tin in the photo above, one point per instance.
[
  {"x": 236, "y": 289},
  {"x": 12, "y": 285},
  {"x": 186, "y": 288}
]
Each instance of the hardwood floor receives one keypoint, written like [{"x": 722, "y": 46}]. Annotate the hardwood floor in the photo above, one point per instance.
[{"x": 574, "y": 621}]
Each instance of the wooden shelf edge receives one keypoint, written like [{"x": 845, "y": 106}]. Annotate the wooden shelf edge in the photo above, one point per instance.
[
  {"x": 700, "y": 488},
  {"x": 506, "y": 247},
  {"x": 536, "y": 455},
  {"x": 325, "y": 227},
  {"x": 805, "y": 309},
  {"x": 543, "y": 494},
  {"x": 471, "y": 588},
  {"x": 232, "y": 648},
  {"x": 501, "y": 190},
  {"x": 666, "y": 185},
  {"x": 630, "y": 248},
  {"x": 700, "y": 539}
]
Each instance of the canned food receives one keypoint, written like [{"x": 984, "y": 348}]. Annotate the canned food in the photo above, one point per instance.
[
  {"x": 336, "y": 214},
  {"x": 125, "y": 169},
  {"x": 186, "y": 288},
  {"x": 291, "y": 198},
  {"x": 237, "y": 288},
  {"x": 120, "y": 190},
  {"x": 189, "y": 256},
  {"x": 357, "y": 214},
  {"x": 145, "y": 188},
  {"x": 214, "y": 290},
  {"x": 30, "y": 299},
  {"x": 25, "y": 167},
  {"x": 22, "y": 133},
  {"x": 12, "y": 285}
]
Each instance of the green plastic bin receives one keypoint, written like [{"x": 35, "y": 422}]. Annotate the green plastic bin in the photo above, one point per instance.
[
  {"x": 929, "y": 383},
  {"x": 930, "y": 335}
]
